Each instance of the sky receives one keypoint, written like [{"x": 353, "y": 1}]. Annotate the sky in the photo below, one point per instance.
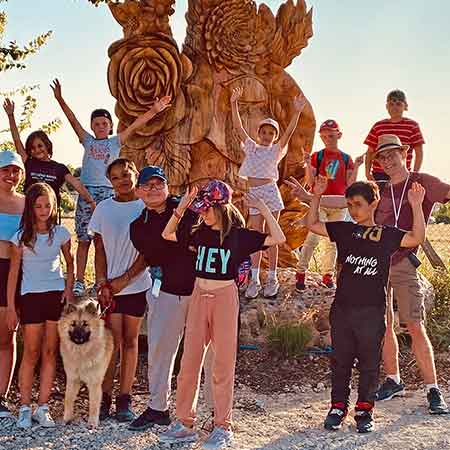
[{"x": 360, "y": 51}]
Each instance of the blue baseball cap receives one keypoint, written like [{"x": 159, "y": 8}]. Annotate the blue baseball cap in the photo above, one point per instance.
[
  {"x": 150, "y": 172},
  {"x": 9, "y": 158}
]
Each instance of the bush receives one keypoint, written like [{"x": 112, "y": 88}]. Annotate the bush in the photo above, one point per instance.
[
  {"x": 289, "y": 339},
  {"x": 67, "y": 203}
]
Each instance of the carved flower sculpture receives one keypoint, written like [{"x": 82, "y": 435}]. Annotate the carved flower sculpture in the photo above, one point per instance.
[
  {"x": 230, "y": 37},
  {"x": 143, "y": 68}
]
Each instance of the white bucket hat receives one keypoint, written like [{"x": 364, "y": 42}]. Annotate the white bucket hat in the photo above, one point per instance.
[{"x": 9, "y": 158}]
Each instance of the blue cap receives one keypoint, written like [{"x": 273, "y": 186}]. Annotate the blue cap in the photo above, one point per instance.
[
  {"x": 9, "y": 158},
  {"x": 150, "y": 172}
]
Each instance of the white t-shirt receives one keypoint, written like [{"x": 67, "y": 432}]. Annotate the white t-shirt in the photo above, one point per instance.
[
  {"x": 41, "y": 266},
  {"x": 111, "y": 219}
]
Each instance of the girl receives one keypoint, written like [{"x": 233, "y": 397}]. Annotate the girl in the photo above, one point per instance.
[
  {"x": 260, "y": 167},
  {"x": 117, "y": 259},
  {"x": 11, "y": 209},
  {"x": 99, "y": 150},
  {"x": 39, "y": 167},
  {"x": 37, "y": 245},
  {"x": 221, "y": 243}
]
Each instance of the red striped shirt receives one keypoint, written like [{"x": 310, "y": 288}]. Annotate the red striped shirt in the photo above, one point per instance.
[{"x": 407, "y": 130}]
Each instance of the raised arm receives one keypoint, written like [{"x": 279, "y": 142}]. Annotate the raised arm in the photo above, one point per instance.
[
  {"x": 310, "y": 171},
  {"x": 416, "y": 236},
  {"x": 8, "y": 106},
  {"x": 313, "y": 222},
  {"x": 237, "y": 122},
  {"x": 170, "y": 231},
  {"x": 158, "y": 106},
  {"x": 79, "y": 130},
  {"x": 368, "y": 162},
  {"x": 352, "y": 174},
  {"x": 81, "y": 189},
  {"x": 13, "y": 277},
  {"x": 299, "y": 105},
  {"x": 70, "y": 268}
]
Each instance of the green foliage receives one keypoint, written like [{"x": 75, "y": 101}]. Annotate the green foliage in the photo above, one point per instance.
[
  {"x": 67, "y": 203},
  {"x": 289, "y": 339},
  {"x": 442, "y": 214}
]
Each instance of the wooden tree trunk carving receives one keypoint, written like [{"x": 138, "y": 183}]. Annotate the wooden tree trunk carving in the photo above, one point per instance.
[{"x": 228, "y": 43}]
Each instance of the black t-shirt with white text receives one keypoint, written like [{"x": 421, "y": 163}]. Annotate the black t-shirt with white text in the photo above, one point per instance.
[
  {"x": 220, "y": 261},
  {"x": 51, "y": 172},
  {"x": 364, "y": 257}
]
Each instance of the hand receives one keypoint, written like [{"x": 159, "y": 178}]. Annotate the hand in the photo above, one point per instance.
[
  {"x": 67, "y": 296},
  {"x": 297, "y": 190},
  {"x": 118, "y": 284},
  {"x": 236, "y": 94},
  {"x": 359, "y": 160},
  {"x": 187, "y": 199},
  {"x": 255, "y": 202},
  {"x": 161, "y": 104},
  {"x": 11, "y": 319},
  {"x": 369, "y": 176},
  {"x": 8, "y": 106},
  {"x": 416, "y": 194},
  {"x": 300, "y": 102},
  {"x": 320, "y": 185},
  {"x": 56, "y": 88},
  {"x": 104, "y": 296},
  {"x": 307, "y": 158}
]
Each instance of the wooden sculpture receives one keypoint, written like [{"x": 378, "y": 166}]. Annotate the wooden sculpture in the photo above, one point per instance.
[{"x": 228, "y": 43}]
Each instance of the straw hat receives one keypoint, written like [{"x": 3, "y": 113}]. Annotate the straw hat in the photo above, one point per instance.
[{"x": 389, "y": 142}]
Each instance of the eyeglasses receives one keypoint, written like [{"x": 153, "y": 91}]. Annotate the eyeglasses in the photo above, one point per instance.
[
  {"x": 152, "y": 186},
  {"x": 388, "y": 156}
]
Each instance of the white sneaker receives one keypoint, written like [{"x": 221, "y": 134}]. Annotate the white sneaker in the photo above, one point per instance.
[
  {"x": 218, "y": 439},
  {"x": 177, "y": 433},
  {"x": 79, "y": 288},
  {"x": 271, "y": 288},
  {"x": 253, "y": 289},
  {"x": 43, "y": 418},
  {"x": 24, "y": 420}
]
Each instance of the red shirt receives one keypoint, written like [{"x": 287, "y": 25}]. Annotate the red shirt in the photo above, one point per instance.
[
  {"x": 407, "y": 130},
  {"x": 333, "y": 167}
]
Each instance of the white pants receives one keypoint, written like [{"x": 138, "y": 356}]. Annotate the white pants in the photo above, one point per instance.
[{"x": 328, "y": 262}]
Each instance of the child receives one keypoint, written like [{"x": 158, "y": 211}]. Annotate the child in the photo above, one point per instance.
[
  {"x": 37, "y": 245},
  {"x": 340, "y": 171},
  {"x": 357, "y": 315},
  {"x": 99, "y": 151},
  {"x": 39, "y": 167},
  {"x": 118, "y": 261},
  {"x": 406, "y": 129},
  {"x": 221, "y": 243},
  {"x": 260, "y": 167}
]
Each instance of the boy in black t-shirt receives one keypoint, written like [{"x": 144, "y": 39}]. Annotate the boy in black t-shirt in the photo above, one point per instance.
[{"x": 357, "y": 316}]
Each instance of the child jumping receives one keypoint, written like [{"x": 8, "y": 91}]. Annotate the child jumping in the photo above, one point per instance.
[
  {"x": 260, "y": 167},
  {"x": 99, "y": 151},
  {"x": 37, "y": 246},
  {"x": 221, "y": 243},
  {"x": 357, "y": 316}
]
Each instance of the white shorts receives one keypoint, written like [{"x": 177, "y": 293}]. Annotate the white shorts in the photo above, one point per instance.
[{"x": 271, "y": 196}]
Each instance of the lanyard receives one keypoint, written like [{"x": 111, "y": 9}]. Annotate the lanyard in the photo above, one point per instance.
[{"x": 397, "y": 211}]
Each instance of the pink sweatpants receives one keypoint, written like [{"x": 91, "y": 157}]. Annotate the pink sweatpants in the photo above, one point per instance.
[{"x": 212, "y": 317}]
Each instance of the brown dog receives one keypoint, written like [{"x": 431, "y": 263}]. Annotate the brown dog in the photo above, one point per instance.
[{"x": 86, "y": 348}]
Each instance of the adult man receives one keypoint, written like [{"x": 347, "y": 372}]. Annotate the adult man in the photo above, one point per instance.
[{"x": 394, "y": 209}]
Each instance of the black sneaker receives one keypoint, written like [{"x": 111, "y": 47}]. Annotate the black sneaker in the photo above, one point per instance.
[
  {"x": 335, "y": 417},
  {"x": 105, "y": 406},
  {"x": 124, "y": 413},
  {"x": 149, "y": 418},
  {"x": 364, "y": 420},
  {"x": 390, "y": 389},
  {"x": 436, "y": 402}
]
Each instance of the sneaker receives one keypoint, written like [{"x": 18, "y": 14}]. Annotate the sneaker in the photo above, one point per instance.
[
  {"x": 436, "y": 402},
  {"x": 300, "y": 283},
  {"x": 271, "y": 288},
  {"x": 6, "y": 417},
  {"x": 364, "y": 417},
  {"x": 105, "y": 406},
  {"x": 253, "y": 289},
  {"x": 390, "y": 389},
  {"x": 24, "y": 419},
  {"x": 43, "y": 418},
  {"x": 149, "y": 418},
  {"x": 218, "y": 439},
  {"x": 178, "y": 433},
  {"x": 79, "y": 288},
  {"x": 327, "y": 281},
  {"x": 124, "y": 413},
  {"x": 335, "y": 417}
]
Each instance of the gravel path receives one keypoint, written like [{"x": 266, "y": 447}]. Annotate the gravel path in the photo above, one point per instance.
[{"x": 282, "y": 421}]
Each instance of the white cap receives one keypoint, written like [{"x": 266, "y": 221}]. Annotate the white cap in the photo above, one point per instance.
[
  {"x": 9, "y": 158},
  {"x": 272, "y": 123}
]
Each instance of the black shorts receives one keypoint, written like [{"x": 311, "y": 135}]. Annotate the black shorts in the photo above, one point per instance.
[
  {"x": 38, "y": 307},
  {"x": 130, "y": 304},
  {"x": 4, "y": 271}
]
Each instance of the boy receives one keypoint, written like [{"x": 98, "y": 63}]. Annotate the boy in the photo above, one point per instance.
[
  {"x": 99, "y": 151},
  {"x": 406, "y": 129},
  {"x": 357, "y": 316},
  {"x": 340, "y": 171}
]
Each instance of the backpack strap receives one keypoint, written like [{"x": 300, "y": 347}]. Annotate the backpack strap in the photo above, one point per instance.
[{"x": 345, "y": 157}]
